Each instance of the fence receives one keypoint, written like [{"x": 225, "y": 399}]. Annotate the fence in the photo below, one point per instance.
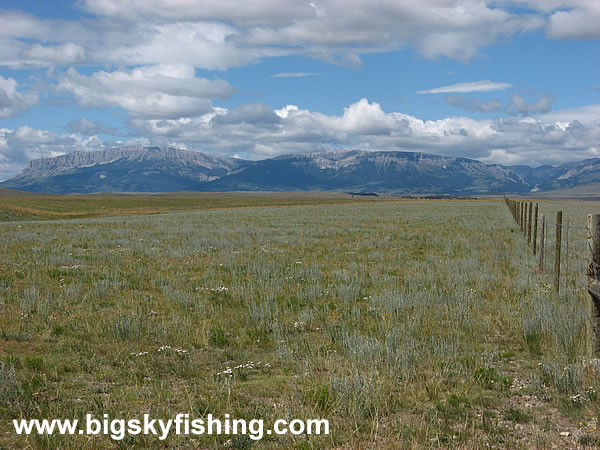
[{"x": 569, "y": 253}]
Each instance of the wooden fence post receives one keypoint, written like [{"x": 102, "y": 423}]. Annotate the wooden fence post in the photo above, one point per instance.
[
  {"x": 593, "y": 226},
  {"x": 556, "y": 285},
  {"x": 522, "y": 215},
  {"x": 592, "y": 305},
  {"x": 542, "y": 243},
  {"x": 525, "y": 219},
  {"x": 535, "y": 227},
  {"x": 529, "y": 224}
]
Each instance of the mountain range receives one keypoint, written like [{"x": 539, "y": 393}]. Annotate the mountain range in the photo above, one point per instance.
[{"x": 154, "y": 169}]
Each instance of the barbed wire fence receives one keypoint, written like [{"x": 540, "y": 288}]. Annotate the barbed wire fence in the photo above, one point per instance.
[{"x": 569, "y": 254}]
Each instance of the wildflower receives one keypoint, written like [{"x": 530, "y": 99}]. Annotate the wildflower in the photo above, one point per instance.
[
  {"x": 220, "y": 289},
  {"x": 228, "y": 372}
]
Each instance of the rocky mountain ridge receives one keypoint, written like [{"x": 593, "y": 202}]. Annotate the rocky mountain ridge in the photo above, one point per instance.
[{"x": 154, "y": 169}]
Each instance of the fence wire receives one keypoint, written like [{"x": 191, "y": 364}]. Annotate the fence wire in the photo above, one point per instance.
[{"x": 575, "y": 264}]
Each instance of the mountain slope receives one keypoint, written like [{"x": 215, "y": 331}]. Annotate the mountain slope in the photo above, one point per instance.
[
  {"x": 124, "y": 169},
  {"x": 153, "y": 169},
  {"x": 546, "y": 178},
  {"x": 400, "y": 172}
]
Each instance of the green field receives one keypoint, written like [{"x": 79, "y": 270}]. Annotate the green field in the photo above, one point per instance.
[{"x": 405, "y": 324}]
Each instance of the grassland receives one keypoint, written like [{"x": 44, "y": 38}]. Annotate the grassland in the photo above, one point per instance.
[
  {"x": 408, "y": 324},
  {"x": 19, "y": 205}
]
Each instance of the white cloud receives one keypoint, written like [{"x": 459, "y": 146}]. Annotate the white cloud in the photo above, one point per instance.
[
  {"x": 584, "y": 114},
  {"x": 219, "y": 35},
  {"x": 29, "y": 42},
  {"x": 18, "y": 147},
  {"x": 149, "y": 91},
  {"x": 255, "y": 13},
  {"x": 88, "y": 127},
  {"x": 474, "y": 86},
  {"x": 12, "y": 101},
  {"x": 519, "y": 105},
  {"x": 63, "y": 54},
  {"x": 256, "y": 131},
  {"x": 581, "y": 21},
  {"x": 365, "y": 125},
  {"x": 21, "y": 25},
  {"x": 474, "y": 103},
  {"x": 228, "y": 33},
  {"x": 202, "y": 44},
  {"x": 16, "y": 54}
]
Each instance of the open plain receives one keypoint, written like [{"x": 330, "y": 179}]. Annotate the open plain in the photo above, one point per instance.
[{"x": 404, "y": 323}]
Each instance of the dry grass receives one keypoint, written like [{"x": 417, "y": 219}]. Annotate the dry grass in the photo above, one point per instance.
[{"x": 405, "y": 324}]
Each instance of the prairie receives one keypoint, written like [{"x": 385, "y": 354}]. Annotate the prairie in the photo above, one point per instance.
[
  {"x": 405, "y": 324},
  {"x": 19, "y": 205}
]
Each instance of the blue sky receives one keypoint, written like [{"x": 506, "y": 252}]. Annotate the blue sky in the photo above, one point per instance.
[{"x": 500, "y": 81}]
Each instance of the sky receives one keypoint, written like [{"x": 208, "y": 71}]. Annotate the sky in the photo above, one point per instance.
[{"x": 508, "y": 82}]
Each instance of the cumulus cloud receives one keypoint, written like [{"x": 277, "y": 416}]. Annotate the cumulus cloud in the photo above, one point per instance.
[
  {"x": 587, "y": 115},
  {"x": 21, "y": 25},
  {"x": 88, "y": 127},
  {"x": 213, "y": 46},
  {"x": 257, "y": 13},
  {"x": 63, "y": 54},
  {"x": 29, "y": 42},
  {"x": 580, "y": 21},
  {"x": 12, "y": 100},
  {"x": 366, "y": 125},
  {"x": 18, "y": 55},
  {"x": 148, "y": 91},
  {"x": 474, "y": 103},
  {"x": 220, "y": 35},
  {"x": 474, "y": 86},
  {"x": 256, "y": 131},
  {"x": 519, "y": 105},
  {"x": 256, "y": 113},
  {"x": 21, "y": 145}
]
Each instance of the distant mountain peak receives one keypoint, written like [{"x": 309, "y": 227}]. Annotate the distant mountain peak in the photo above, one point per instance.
[{"x": 162, "y": 169}]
